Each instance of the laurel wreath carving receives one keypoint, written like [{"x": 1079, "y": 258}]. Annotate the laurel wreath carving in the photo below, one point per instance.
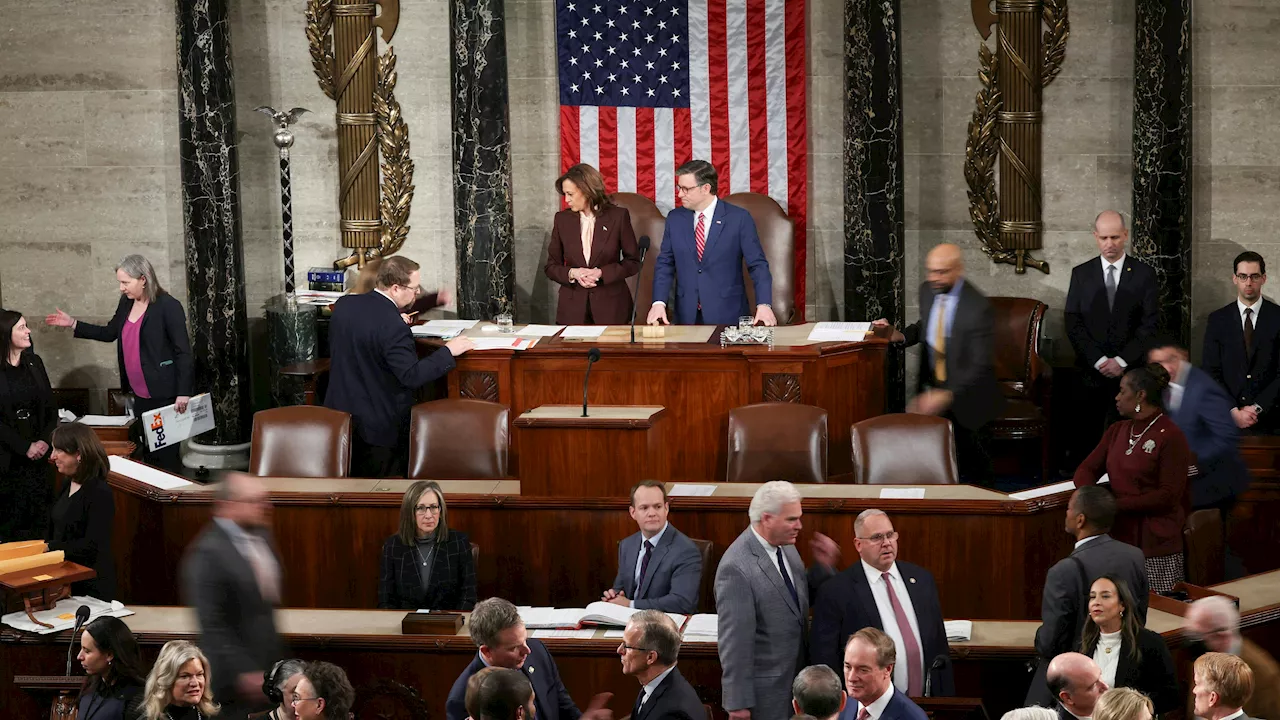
[
  {"x": 397, "y": 166},
  {"x": 1055, "y": 39},
  {"x": 320, "y": 39},
  {"x": 981, "y": 149}
]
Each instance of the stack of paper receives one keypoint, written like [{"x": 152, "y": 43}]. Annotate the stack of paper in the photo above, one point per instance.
[
  {"x": 840, "y": 331},
  {"x": 505, "y": 342},
  {"x": 63, "y": 615},
  {"x": 959, "y": 630},
  {"x": 107, "y": 420},
  {"x": 539, "y": 330},
  {"x": 692, "y": 489},
  {"x": 597, "y": 613},
  {"x": 446, "y": 329},
  {"x": 318, "y": 297},
  {"x": 702, "y": 628},
  {"x": 583, "y": 332}
]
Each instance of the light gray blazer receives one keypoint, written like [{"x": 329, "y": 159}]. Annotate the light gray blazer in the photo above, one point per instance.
[{"x": 763, "y": 636}]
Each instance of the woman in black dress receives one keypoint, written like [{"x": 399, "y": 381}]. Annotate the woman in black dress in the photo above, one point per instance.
[
  {"x": 27, "y": 419},
  {"x": 84, "y": 512},
  {"x": 114, "y": 673}
]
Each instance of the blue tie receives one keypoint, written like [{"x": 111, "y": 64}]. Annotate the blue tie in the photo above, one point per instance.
[{"x": 786, "y": 578}]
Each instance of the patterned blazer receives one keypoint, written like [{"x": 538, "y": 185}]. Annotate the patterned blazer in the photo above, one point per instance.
[{"x": 453, "y": 576}]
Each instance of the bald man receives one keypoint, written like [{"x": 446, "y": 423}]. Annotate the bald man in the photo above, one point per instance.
[
  {"x": 957, "y": 377},
  {"x": 1111, "y": 315},
  {"x": 1076, "y": 684}
]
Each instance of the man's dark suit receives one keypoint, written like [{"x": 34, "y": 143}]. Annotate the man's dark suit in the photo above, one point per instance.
[
  {"x": 672, "y": 579},
  {"x": 900, "y": 707},
  {"x": 673, "y": 699},
  {"x": 845, "y": 605},
  {"x": 1065, "y": 602},
  {"x": 237, "y": 624},
  {"x": 374, "y": 369},
  {"x": 1248, "y": 379},
  {"x": 550, "y": 697},
  {"x": 1204, "y": 416}
]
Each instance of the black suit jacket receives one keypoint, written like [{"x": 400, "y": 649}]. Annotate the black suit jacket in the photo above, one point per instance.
[
  {"x": 85, "y": 535},
  {"x": 550, "y": 698},
  {"x": 845, "y": 605},
  {"x": 673, "y": 699},
  {"x": 237, "y": 624},
  {"x": 971, "y": 374},
  {"x": 1097, "y": 331},
  {"x": 1248, "y": 378},
  {"x": 1154, "y": 674},
  {"x": 163, "y": 346},
  {"x": 374, "y": 367},
  {"x": 453, "y": 576},
  {"x": 45, "y": 419}
]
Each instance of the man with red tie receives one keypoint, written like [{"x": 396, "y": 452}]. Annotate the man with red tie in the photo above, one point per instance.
[{"x": 703, "y": 248}]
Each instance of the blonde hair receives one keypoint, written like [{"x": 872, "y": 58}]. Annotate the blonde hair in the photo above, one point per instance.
[
  {"x": 159, "y": 690},
  {"x": 1122, "y": 704},
  {"x": 1227, "y": 675}
]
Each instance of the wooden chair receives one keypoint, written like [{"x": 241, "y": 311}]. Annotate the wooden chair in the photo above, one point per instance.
[
  {"x": 1023, "y": 375},
  {"x": 778, "y": 440},
  {"x": 778, "y": 238},
  {"x": 904, "y": 449},
  {"x": 458, "y": 439}
]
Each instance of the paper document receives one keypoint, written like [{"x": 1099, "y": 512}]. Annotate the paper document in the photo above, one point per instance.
[
  {"x": 902, "y": 493},
  {"x": 692, "y": 490},
  {"x": 106, "y": 420},
  {"x": 702, "y": 628},
  {"x": 506, "y": 342},
  {"x": 586, "y": 634},
  {"x": 539, "y": 330},
  {"x": 443, "y": 328},
  {"x": 1039, "y": 492},
  {"x": 960, "y": 630},
  {"x": 840, "y": 331},
  {"x": 63, "y": 615},
  {"x": 614, "y": 634},
  {"x": 597, "y": 613},
  {"x": 583, "y": 332},
  {"x": 145, "y": 473},
  {"x": 166, "y": 426}
]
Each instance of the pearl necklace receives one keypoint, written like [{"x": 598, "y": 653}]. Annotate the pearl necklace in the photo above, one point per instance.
[{"x": 1133, "y": 439}]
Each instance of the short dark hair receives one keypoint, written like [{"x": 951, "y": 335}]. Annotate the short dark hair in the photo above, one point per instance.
[
  {"x": 649, "y": 484},
  {"x": 1150, "y": 380},
  {"x": 1249, "y": 256},
  {"x": 490, "y": 617},
  {"x": 330, "y": 682},
  {"x": 817, "y": 691},
  {"x": 80, "y": 439},
  {"x": 589, "y": 182},
  {"x": 1098, "y": 506},
  {"x": 703, "y": 172},
  {"x": 496, "y": 693},
  {"x": 395, "y": 270}
]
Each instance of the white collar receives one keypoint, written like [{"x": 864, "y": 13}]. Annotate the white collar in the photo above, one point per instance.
[
  {"x": 384, "y": 294},
  {"x": 876, "y": 708},
  {"x": 873, "y": 575},
  {"x": 709, "y": 212},
  {"x": 1238, "y": 713},
  {"x": 1256, "y": 307},
  {"x": 653, "y": 684},
  {"x": 1119, "y": 264},
  {"x": 771, "y": 549},
  {"x": 1080, "y": 543},
  {"x": 656, "y": 537}
]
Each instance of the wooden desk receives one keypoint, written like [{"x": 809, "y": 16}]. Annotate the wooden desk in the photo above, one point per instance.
[
  {"x": 693, "y": 377},
  {"x": 603, "y": 454}
]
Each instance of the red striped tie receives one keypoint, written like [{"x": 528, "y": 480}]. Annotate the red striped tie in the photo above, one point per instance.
[{"x": 700, "y": 236}]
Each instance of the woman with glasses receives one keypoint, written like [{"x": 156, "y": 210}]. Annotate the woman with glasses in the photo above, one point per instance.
[
  {"x": 426, "y": 565},
  {"x": 28, "y": 415},
  {"x": 178, "y": 686}
]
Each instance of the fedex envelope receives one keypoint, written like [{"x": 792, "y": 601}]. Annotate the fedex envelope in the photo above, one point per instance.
[{"x": 166, "y": 426}]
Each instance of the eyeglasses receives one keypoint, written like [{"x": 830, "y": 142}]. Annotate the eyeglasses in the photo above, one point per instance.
[
  {"x": 431, "y": 509},
  {"x": 881, "y": 538},
  {"x": 299, "y": 699},
  {"x": 625, "y": 646},
  {"x": 1253, "y": 277},
  {"x": 686, "y": 190}
]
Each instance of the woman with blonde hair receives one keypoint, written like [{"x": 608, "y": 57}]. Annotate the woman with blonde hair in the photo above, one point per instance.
[
  {"x": 1123, "y": 704},
  {"x": 178, "y": 686}
]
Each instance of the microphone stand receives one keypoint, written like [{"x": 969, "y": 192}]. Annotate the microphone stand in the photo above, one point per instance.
[{"x": 644, "y": 248}]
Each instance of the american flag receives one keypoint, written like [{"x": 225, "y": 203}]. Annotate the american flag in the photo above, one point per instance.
[{"x": 646, "y": 85}]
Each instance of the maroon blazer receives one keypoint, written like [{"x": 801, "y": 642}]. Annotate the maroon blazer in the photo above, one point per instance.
[{"x": 613, "y": 251}]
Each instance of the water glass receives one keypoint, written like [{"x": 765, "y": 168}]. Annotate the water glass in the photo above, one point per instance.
[{"x": 504, "y": 323}]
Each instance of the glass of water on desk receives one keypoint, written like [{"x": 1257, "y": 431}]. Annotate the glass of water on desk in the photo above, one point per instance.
[{"x": 504, "y": 323}]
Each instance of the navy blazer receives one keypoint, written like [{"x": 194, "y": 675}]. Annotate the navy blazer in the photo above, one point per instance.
[
  {"x": 1248, "y": 379},
  {"x": 12, "y": 443},
  {"x": 674, "y": 576},
  {"x": 1205, "y": 418},
  {"x": 550, "y": 698},
  {"x": 1122, "y": 330},
  {"x": 673, "y": 699},
  {"x": 900, "y": 707},
  {"x": 715, "y": 282},
  {"x": 845, "y": 605},
  {"x": 453, "y": 576},
  {"x": 163, "y": 346},
  {"x": 374, "y": 367}
]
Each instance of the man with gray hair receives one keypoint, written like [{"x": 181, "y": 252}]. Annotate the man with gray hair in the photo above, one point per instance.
[
  {"x": 1215, "y": 623},
  {"x": 649, "y": 648},
  {"x": 818, "y": 692},
  {"x": 762, "y": 598}
]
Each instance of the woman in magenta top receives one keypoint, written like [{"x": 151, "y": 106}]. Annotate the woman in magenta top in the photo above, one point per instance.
[
  {"x": 1146, "y": 458},
  {"x": 153, "y": 350}
]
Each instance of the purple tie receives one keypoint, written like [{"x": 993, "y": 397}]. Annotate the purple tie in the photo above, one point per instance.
[
  {"x": 644, "y": 566},
  {"x": 915, "y": 683}
]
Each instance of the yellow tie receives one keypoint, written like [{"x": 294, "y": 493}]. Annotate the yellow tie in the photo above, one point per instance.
[{"x": 940, "y": 343}]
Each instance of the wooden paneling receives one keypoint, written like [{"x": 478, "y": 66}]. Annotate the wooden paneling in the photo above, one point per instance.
[{"x": 1252, "y": 531}]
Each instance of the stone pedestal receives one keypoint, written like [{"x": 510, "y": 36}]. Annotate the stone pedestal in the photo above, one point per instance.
[{"x": 291, "y": 338}]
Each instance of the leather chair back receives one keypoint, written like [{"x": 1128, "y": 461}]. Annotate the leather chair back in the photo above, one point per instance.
[
  {"x": 1205, "y": 550},
  {"x": 1016, "y": 345},
  {"x": 458, "y": 439},
  {"x": 773, "y": 441},
  {"x": 646, "y": 219},
  {"x": 307, "y": 441},
  {"x": 120, "y": 402},
  {"x": 778, "y": 238},
  {"x": 904, "y": 449},
  {"x": 707, "y": 584}
]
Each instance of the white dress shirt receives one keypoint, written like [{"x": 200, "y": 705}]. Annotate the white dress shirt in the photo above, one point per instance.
[
  {"x": 1080, "y": 543},
  {"x": 877, "y": 706},
  {"x": 1256, "y": 307},
  {"x": 707, "y": 214},
  {"x": 890, "y": 621},
  {"x": 647, "y": 689},
  {"x": 1119, "y": 266},
  {"x": 640, "y": 557},
  {"x": 773, "y": 553}
]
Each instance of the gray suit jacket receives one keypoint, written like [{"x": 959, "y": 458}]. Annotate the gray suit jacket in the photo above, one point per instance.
[
  {"x": 763, "y": 636},
  {"x": 672, "y": 579}
]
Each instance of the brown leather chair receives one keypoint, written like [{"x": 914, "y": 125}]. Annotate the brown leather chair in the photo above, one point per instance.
[
  {"x": 1205, "y": 549},
  {"x": 778, "y": 238},
  {"x": 1023, "y": 375},
  {"x": 773, "y": 441},
  {"x": 707, "y": 584},
  {"x": 301, "y": 441},
  {"x": 646, "y": 219},
  {"x": 458, "y": 439},
  {"x": 904, "y": 449}
]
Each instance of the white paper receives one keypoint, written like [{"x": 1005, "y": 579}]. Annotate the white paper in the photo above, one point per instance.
[
  {"x": 840, "y": 331},
  {"x": 599, "y": 613},
  {"x": 506, "y": 342},
  {"x": 166, "y": 426},
  {"x": 1046, "y": 490},
  {"x": 586, "y": 634},
  {"x": 583, "y": 332},
  {"x": 66, "y": 606},
  {"x": 442, "y": 328},
  {"x": 539, "y": 330},
  {"x": 547, "y": 617},
  {"x": 961, "y": 630},
  {"x": 614, "y": 634},
  {"x": 106, "y": 420},
  {"x": 691, "y": 490},
  {"x": 702, "y": 628},
  {"x": 902, "y": 493},
  {"x": 145, "y": 473}
]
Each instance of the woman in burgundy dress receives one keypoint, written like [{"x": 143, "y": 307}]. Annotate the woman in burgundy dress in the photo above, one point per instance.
[{"x": 1146, "y": 458}]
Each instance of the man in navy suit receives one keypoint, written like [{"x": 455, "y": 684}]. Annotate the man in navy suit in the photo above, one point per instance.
[
  {"x": 897, "y": 598},
  {"x": 374, "y": 367},
  {"x": 649, "y": 650},
  {"x": 868, "y": 674},
  {"x": 658, "y": 567},
  {"x": 499, "y": 633},
  {"x": 1242, "y": 348},
  {"x": 704, "y": 246}
]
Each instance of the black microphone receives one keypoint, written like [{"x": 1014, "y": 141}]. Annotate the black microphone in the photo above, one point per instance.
[
  {"x": 82, "y": 615},
  {"x": 643, "y": 243},
  {"x": 592, "y": 356},
  {"x": 937, "y": 664}
]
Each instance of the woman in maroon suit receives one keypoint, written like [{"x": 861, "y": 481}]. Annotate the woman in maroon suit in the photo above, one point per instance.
[{"x": 593, "y": 251}]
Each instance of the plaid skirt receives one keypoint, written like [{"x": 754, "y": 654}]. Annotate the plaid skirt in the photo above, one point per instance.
[{"x": 1165, "y": 571}]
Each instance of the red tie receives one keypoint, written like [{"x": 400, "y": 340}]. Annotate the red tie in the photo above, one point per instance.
[
  {"x": 700, "y": 236},
  {"x": 864, "y": 714},
  {"x": 915, "y": 684}
]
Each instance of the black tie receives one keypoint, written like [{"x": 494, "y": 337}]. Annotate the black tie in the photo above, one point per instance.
[
  {"x": 786, "y": 578},
  {"x": 1248, "y": 331},
  {"x": 644, "y": 566},
  {"x": 635, "y": 711}
]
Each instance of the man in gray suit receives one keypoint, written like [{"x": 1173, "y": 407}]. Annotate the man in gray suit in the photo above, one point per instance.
[
  {"x": 1090, "y": 513},
  {"x": 1223, "y": 684},
  {"x": 659, "y": 568},
  {"x": 762, "y": 598}
]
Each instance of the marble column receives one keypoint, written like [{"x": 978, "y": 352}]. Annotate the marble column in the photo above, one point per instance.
[
  {"x": 484, "y": 233},
  {"x": 873, "y": 185},
  {"x": 211, "y": 216},
  {"x": 1162, "y": 154}
]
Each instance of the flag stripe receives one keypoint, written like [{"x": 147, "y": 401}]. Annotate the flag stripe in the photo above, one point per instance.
[
  {"x": 664, "y": 158},
  {"x": 699, "y": 80},
  {"x": 718, "y": 92},
  {"x": 739, "y": 98},
  {"x": 644, "y": 180},
  {"x": 569, "y": 153},
  {"x": 775, "y": 55},
  {"x": 589, "y": 135},
  {"x": 608, "y": 138},
  {"x": 626, "y": 149},
  {"x": 682, "y": 144},
  {"x": 797, "y": 146},
  {"x": 758, "y": 98}
]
